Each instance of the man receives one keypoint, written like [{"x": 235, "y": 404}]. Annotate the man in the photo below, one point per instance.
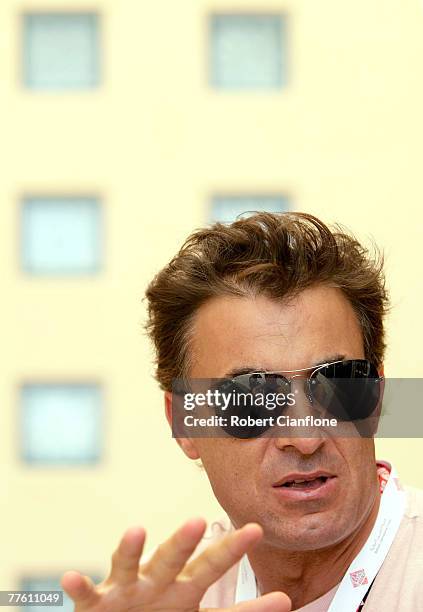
[{"x": 313, "y": 522}]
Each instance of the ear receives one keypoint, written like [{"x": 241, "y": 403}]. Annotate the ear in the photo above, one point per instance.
[{"x": 187, "y": 444}]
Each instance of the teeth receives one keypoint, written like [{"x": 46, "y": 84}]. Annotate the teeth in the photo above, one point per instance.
[{"x": 290, "y": 483}]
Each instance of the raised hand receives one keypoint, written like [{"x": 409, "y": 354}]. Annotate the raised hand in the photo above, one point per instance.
[{"x": 168, "y": 582}]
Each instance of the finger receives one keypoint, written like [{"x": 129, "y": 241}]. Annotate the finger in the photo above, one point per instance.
[
  {"x": 219, "y": 557},
  {"x": 80, "y": 588},
  {"x": 272, "y": 602},
  {"x": 126, "y": 558},
  {"x": 171, "y": 556}
]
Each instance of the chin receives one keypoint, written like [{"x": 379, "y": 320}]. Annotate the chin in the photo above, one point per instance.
[{"x": 302, "y": 535}]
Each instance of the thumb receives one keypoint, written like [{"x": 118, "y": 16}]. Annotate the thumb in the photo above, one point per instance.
[{"x": 272, "y": 602}]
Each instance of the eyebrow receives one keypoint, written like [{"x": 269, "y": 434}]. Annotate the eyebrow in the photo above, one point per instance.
[{"x": 248, "y": 369}]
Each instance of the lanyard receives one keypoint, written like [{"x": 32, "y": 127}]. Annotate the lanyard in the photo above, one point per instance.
[{"x": 363, "y": 569}]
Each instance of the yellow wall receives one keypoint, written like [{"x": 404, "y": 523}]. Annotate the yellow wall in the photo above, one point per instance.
[{"x": 344, "y": 140}]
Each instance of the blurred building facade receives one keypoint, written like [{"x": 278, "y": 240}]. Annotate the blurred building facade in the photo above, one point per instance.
[{"x": 125, "y": 125}]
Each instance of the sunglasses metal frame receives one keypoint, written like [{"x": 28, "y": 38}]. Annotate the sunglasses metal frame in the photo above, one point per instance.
[{"x": 313, "y": 369}]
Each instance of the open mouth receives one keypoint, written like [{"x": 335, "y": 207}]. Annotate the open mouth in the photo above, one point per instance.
[
  {"x": 311, "y": 483},
  {"x": 297, "y": 486}
]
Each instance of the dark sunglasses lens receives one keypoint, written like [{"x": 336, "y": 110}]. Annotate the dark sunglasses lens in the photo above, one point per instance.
[
  {"x": 348, "y": 390},
  {"x": 251, "y": 398}
]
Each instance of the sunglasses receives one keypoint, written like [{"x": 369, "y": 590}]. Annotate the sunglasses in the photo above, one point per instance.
[{"x": 348, "y": 390}]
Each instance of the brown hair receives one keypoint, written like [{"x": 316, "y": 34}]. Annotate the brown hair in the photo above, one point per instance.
[{"x": 274, "y": 254}]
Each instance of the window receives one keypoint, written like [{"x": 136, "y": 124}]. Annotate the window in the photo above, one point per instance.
[
  {"x": 61, "y": 50},
  {"x": 60, "y": 235},
  {"x": 248, "y": 51},
  {"x": 227, "y": 208},
  {"x": 61, "y": 423}
]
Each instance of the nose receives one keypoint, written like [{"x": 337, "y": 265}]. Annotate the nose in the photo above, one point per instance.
[
  {"x": 305, "y": 439},
  {"x": 306, "y": 446}
]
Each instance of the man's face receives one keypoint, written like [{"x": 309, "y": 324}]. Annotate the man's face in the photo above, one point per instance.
[{"x": 317, "y": 326}]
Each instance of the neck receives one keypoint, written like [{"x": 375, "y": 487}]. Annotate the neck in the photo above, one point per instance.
[{"x": 307, "y": 575}]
